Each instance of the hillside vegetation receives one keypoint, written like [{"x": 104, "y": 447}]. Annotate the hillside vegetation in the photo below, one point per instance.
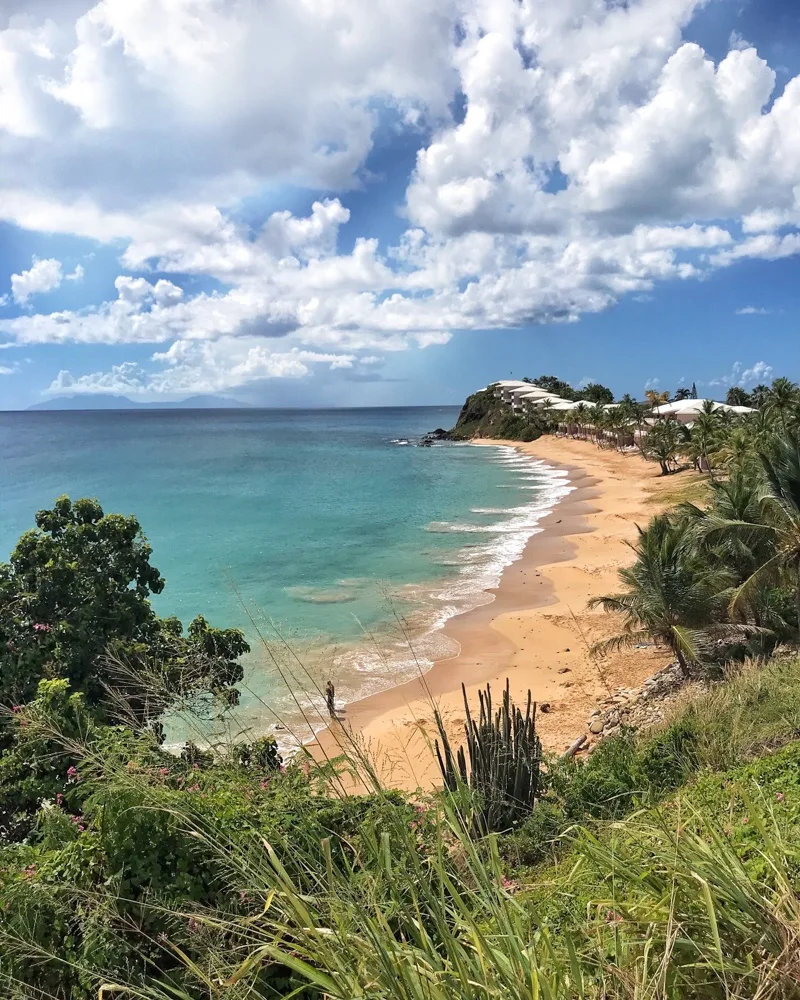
[{"x": 485, "y": 415}]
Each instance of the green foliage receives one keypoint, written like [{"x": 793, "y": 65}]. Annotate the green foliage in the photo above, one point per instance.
[
  {"x": 74, "y": 601},
  {"x": 736, "y": 396},
  {"x": 484, "y": 414},
  {"x": 673, "y": 595},
  {"x": 34, "y": 764},
  {"x": 594, "y": 392},
  {"x": 557, "y": 386},
  {"x": 663, "y": 444}
]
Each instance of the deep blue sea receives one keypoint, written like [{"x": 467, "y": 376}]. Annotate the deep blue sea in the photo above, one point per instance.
[{"x": 343, "y": 542}]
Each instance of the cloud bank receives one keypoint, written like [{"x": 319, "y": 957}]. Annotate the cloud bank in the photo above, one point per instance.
[{"x": 569, "y": 155}]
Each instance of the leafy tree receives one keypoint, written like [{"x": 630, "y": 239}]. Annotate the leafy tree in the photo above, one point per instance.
[
  {"x": 76, "y": 588},
  {"x": 681, "y": 394},
  {"x": 672, "y": 595},
  {"x": 555, "y": 385},
  {"x": 736, "y": 396},
  {"x": 594, "y": 392}
]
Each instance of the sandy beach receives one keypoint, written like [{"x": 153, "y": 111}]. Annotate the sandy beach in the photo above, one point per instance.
[{"x": 538, "y": 630}]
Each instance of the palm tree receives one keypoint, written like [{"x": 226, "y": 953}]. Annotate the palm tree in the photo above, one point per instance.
[
  {"x": 759, "y": 426},
  {"x": 782, "y": 400},
  {"x": 733, "y": 501},
  {"x": 737, "y": 396},
  {"x": 663, "y": 442},
  {"x": 674, "y": 596},
  {"x": 581, "y": 416},
  {"x": 705, "y": 435},
  {"x": 656, "y": 398},
  {"x": 737, "y": 452},
  {"x": 780, "y": 522}
]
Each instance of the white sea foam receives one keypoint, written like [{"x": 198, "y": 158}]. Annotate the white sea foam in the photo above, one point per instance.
[
  {"x": 475, "y": 569},
  {"x": 478, "y": 568}
]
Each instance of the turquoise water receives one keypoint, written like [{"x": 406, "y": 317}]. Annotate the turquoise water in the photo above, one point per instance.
[{"x": 322, "y": 526}]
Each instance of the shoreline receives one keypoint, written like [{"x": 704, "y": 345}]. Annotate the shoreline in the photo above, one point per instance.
[{"x": 535, "y": 632}]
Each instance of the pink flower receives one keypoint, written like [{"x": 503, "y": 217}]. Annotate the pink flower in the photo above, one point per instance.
[
  {"x": 72, "y": 775},
  {"x": 41, "y": 627},
  {"x": 265, "y": 784},
  {"x": 780, "y": 796},
  {"x": 59, "y": 798},
  {"x": 163, "y": 771},
  {"x": 16, "y": 708}
]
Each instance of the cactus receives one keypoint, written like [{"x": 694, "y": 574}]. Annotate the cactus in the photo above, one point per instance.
[{"x": 504, "y": 760}]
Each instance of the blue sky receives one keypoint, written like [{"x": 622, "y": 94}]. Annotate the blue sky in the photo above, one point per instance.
[{"x": 383, "y": 204}]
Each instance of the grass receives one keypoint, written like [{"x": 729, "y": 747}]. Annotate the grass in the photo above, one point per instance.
[
  {"x": 668, "y": 867},
  {"x": 684, "y": 487}
]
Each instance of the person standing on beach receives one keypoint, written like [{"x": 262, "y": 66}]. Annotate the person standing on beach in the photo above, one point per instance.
[{"x": 330, "y": 696}]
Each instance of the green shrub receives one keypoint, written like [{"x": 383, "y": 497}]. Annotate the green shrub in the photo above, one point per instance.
[
  {"x": 666, "y": 760},
  {"x": 539, "y": 837},
  {"x": 605, "y": 785}
]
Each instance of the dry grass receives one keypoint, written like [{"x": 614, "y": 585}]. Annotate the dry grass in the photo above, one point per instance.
[{"x": 686, "y": 486}]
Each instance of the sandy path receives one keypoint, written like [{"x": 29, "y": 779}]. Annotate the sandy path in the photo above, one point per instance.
[{"x": 538, "y": 629}]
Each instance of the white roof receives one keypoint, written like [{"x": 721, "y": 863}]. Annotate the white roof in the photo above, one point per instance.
[
  {"x": 695, "y": 406},
  {"x": 530, "y": 391},
  {"x": 509, "y": 383},
  {"x": 566, "y": 405},
  {"x": 541, "y": 400}
]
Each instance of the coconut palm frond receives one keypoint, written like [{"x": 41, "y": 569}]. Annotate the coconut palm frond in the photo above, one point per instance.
[
  {"x": 765, "y": 573},
  {"x": 611, "y": 602},
  {"x": 625, "y": 640}
]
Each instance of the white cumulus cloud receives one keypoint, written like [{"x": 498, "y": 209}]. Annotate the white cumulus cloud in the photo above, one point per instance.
[
  {"x": 599, "y": 153},
  {"x": 758, "y": 373},
  {"x": 43, "y": 276}
]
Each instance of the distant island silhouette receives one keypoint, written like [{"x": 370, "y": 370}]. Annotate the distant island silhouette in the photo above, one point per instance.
[{"x": 108, "y": 402}]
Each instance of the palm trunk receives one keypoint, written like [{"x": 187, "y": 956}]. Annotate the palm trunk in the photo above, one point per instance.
[
  {"x": 797, "y": 596},
  {"x": 682, "y": 662}
]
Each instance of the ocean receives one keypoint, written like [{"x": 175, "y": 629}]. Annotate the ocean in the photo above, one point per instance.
[{"x": 339, "y": 546}]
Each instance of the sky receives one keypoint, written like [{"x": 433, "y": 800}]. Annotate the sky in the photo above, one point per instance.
[{"x": 366, "y": 202}]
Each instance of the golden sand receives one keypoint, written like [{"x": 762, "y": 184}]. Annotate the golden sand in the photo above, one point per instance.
[{"x": 537, "y": 631}]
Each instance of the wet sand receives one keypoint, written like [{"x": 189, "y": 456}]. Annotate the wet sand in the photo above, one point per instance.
[{"x": 538, "y": 630}]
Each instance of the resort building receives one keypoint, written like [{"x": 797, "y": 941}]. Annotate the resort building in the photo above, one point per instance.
[{"x": 686, "y": 411}]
